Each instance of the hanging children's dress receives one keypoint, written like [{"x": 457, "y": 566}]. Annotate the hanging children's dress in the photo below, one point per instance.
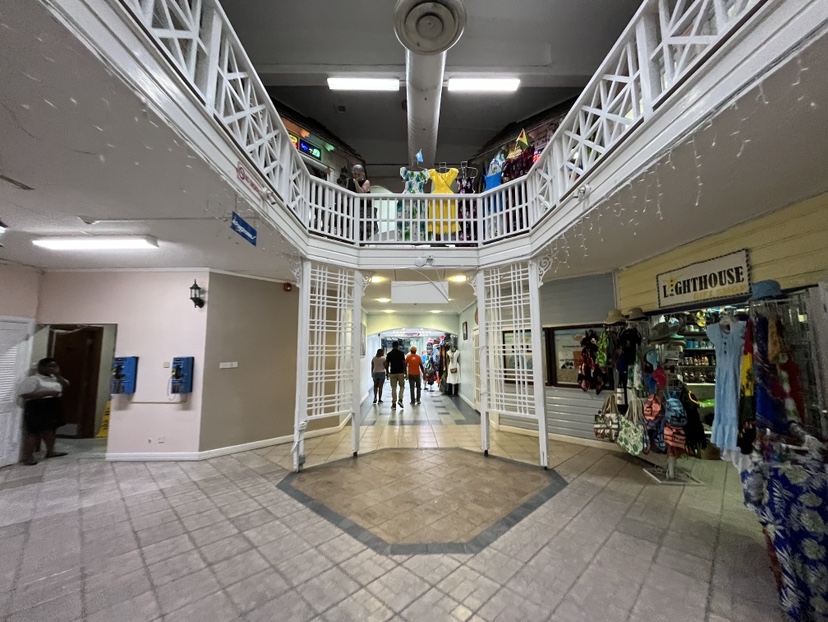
[
  {"x": 468, "y": 210},
  {"x": 442, "y": 215},
  {"x": 408, "y": 212}
]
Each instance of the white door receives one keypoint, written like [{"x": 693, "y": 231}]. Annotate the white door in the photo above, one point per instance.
[{"x": 14, "y": 361}]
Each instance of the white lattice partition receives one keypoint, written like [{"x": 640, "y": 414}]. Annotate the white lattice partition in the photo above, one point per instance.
[
  {"x": 513, "y": 335},
  {"x": 327, "y": 348}
]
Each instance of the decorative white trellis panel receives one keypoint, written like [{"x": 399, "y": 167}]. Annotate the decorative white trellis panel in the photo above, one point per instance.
[
  {"x": 515, "y": 355},
  {"x": 327, "y": 348}
]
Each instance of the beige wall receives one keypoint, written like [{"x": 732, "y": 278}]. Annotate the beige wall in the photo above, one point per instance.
[
  {"x": 19, "y": 287},
  {"x": 155, "y": 321},
  {"x": 788, "y": 245},
  {"x": 254, "y": 323},
  {"x": 445, "y": 322}
]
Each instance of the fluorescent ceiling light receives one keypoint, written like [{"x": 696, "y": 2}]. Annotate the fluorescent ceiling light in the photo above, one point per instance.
[
  {"x": 377, "y": 279},
  {"x": 458, "y": 278},
  {"x": 389, "y": 311},
  {"x": 97, "y": 243},
  {"x": 481, "y": 85},
  {"x": 436, "y": 311},
  {"x": 383, "y": 300},
  {"x": 364, "y": 84}
]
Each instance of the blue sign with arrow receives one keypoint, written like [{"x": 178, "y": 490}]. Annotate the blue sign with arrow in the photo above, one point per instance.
[{"x": 243, "y": 228}]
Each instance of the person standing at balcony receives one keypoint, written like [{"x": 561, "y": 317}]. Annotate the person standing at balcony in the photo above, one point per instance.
[
  {"x": 414, "y": 366},
  {"x": 359, "y": 183},
  {"x": 395, "y": 368}
]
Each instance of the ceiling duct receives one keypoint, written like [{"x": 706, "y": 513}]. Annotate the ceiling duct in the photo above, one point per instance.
[{"x": 427, "y": 29}]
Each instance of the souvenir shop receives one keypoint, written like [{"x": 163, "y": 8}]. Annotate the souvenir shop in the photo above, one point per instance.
[{"x": 729, "y": 368}]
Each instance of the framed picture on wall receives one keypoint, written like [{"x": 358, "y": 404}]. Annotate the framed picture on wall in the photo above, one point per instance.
[
  {"x": 465, "y": 331},
  {"x": 517, "y": 353}
]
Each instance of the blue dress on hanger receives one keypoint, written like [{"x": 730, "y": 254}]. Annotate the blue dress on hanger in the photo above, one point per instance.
[{"x": 729, "y": 346}]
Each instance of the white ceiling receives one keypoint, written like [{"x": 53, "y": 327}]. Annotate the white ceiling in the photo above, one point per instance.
[
  {"x": 554, "y": 46},
  {"x": 83, "y": 141}
]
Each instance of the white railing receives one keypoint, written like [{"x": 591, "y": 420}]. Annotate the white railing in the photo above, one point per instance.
[{"x": 664, "y": 43}]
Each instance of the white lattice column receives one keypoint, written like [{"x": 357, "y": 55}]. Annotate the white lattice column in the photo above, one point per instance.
[
  {"x": 302, "y": 272},
  {"x": 536, "y": 280},
  {"x": 360, "y": 282},
  {"x": 483, "y": 358}
]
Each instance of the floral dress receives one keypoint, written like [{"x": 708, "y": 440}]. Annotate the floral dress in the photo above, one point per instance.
[
  {"x": 467, "y": 211},
  {"x": 409, "y": 211}
]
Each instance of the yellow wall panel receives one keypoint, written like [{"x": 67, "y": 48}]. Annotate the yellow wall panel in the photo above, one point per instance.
[{"x": 790, "y": 245}]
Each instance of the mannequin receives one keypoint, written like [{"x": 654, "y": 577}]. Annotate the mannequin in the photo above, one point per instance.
[{"x": 452, "y": 371}]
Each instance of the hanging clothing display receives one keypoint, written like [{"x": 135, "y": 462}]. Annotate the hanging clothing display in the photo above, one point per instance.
[
  {"x": 518, "y": 166},
  {"x": 590, "y": 374},
  {"x": 442, "y": 215},
  {"x": 728, "y": 345},
  {"x": 407, "y": 211},
  {"x": 468, "y": 211},
  {"x": 452, "y": 367}
]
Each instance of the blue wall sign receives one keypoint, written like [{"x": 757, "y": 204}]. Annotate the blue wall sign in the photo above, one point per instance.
[{"x": 243, "y": 228}]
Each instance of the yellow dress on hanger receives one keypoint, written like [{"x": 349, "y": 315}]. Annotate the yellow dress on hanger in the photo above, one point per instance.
[{"x": 442, "y": 215}]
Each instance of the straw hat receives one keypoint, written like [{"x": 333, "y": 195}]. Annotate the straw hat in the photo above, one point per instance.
[
  {"x": 615, "y": 317},
  {"x": 635, "y": 314}
]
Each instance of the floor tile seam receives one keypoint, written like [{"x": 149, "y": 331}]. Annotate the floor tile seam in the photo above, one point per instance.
[
  {"x": 709, "y": 602},
  {"x": 566, "y": 524},
  {"x": 208, "y": 567}
]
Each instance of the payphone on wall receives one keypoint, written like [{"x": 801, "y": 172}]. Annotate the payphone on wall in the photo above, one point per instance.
[
  {"x": 182, "y": 375},
  {"x": 124, "y": 374}
]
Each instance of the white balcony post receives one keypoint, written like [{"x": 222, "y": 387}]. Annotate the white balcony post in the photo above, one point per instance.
[
  {"x": 356, "y": 357},
  {"x": 207, "y": 72},
  {"x": 483, "y": 354},
  {"x": 646, "y": 40},
  {"x": 537, "y": 355},
  {"x": 302, "y": 341}
]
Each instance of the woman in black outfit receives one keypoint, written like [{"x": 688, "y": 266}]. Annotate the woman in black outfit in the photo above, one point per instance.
[{"x": 42, "y": 412}]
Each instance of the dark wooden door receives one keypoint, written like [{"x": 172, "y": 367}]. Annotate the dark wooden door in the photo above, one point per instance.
[{"x": 78, "y": 352}]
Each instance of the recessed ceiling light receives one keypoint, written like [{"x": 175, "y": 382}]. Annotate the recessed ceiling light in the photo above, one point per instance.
[
  {"x": 383, "y": 300},
  {"x": 377, "y": 279},
  {"x": 97, "y": 243},
  {"x": 389, "y": 311},
  {"x": 458, "y": 278},
  {"x": 436, "y": 311},
  {"x": 364, "y": 84},
  {"x": 490, "y": 85}
]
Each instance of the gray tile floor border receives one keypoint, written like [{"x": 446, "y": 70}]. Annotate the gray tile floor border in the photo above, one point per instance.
[
  {"x": 435, "y": 403},
  {"x": 473, "y": 546}
]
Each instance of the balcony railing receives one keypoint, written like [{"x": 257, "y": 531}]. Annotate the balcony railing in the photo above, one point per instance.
[{"x": 664, "y": 43}]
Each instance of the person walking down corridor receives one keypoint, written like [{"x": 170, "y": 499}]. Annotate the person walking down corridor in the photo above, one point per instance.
[
  {"x": 395, "y": 368},
  {"x": 378, "y": 374},
  {"x": 414, "y": 367}
]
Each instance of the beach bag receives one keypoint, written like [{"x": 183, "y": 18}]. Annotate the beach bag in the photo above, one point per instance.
[
  {"x": 606, "y": 423},
  {"x": 632, "y": 433},
  {"x": 652, "y": 411},
  {"x": 674, "y": 437},
  {"x": 674, "y": 412}
]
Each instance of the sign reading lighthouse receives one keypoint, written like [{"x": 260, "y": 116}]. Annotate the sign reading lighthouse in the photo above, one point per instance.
[{"x": 715, "y": 279}]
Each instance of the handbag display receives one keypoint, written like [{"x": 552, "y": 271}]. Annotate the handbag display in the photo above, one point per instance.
[
  {"x": 452, "y": 370},
  {"x": 632, "y": 433},
  {"x": 606, "y": 423}
]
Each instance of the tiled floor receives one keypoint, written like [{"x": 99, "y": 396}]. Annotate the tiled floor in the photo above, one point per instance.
[
  {"x": 83, "y": 539},
  {"x": 424, "y": 500}
]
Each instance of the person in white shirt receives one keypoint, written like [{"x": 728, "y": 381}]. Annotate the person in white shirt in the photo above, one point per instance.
[{"x": 42, "y": 411}]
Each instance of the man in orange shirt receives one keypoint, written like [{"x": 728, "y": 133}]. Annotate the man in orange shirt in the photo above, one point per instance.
[{"x": 414, "y": 366}]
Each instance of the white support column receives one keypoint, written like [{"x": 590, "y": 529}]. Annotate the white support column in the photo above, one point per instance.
[
  {"x": 303, "y": 338},
  {"x": 646, "y": 40},
  {"x": 483, "y": 353},
  {"x": 537, "y": 368},
  {"x": 356, "y": 343}
]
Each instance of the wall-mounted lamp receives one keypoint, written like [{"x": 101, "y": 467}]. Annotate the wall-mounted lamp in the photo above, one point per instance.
[{"x": 195, "y": 295}]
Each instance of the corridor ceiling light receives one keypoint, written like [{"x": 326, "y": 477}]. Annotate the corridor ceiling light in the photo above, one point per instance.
[
  {"x": 97, "y": 243},
  {"x": 481, "y": 85},
  {"x": 436, "y": 311},
  {"x": 458, "y": 278},
  {"x": 383, "y": 300},
  {"x": 377, "y": 279},
  {"x": 364, "y": 84},
  {"x": 389, "y": 311}
]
